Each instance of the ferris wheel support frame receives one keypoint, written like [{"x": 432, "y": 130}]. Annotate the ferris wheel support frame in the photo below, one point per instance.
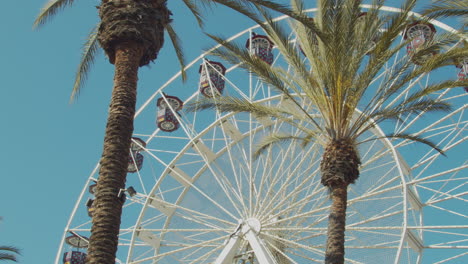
[{"x": 248, "y": 229}]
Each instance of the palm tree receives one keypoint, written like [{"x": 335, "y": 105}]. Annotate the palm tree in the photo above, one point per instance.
[
  {"x": 9, "y": 253},
  {"x": 131, "y": 33},
  {"x": 334, "y": 79}
]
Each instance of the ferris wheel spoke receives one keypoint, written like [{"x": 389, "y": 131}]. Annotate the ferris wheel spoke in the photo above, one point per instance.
[
  {"x": 201, "y": 218},
  {"x": 298, "y": 187},
  {"x": 236, "y": 175},
  {"x": 460, "y": 238},
  {"x": 443, "y": 196},
  {"x": 452, "y": 258},
  {"x": 292, "y": 244},
  {"x": 219, "y": 177},
  {"x": 180, "y": 247},
  {"x": 428, "y": 179},
  {"x": 451, "y": 212},
  {"x": 378, "y": 217}
]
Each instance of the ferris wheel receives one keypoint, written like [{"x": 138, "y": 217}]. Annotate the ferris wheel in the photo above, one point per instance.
[{"x": 195, "y": 194}]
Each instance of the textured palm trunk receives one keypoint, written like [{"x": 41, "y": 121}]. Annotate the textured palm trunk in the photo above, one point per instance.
[
  {"x": 339, "y": 168},
  {"x": 131, "y": 33},
  {"x": 112, "y": 176},
  {"x": 335, "y": 249}
]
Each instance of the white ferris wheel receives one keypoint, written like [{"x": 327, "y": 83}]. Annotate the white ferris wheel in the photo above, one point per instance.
[{"x": 199, "y": 197}]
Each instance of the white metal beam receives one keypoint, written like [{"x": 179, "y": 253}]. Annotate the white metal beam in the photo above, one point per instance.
[
  {"x": 149, "y": 238},
  {"x": 163, "y": 206},
  {"x": 180, "y": 176},
  {"x": 229, "y": 251}
]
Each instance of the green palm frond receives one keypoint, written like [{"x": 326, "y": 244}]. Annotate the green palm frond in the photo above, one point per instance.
[
  {"x": 395, "y": 113},
  {"x": 226, "y": 104},
  {"x": 193, "y": 8},
  {"x": 446, "y": 8},
  {"x": 277, "y": 79},
  {"x": 433, "y": 63},
  {"x": 416, "y": 138},
  {"x": 276, "y": 138},
  {"x": 90, "y": 50},
  {"x": 238, "y": 55},
  {"x": 9, "y": 253},
  {"x": 50, "y": 10},
  {"x": 244, "y": 7},
  {"x": 271, "y": 5},
  {"x": 175, "y": 40},
  {"x": 404, "y": 73}
]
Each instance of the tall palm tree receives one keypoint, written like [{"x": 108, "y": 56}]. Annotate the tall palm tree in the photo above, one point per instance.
[
  {"x": 9, "y": 253},
  {"x": 336, "y": 81},
  {"x": 131, "y": 33}
]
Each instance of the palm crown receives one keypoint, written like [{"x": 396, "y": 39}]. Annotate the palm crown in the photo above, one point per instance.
[
  {"x": 91, "y": 45},
  {"x": 338, "y": 71}
]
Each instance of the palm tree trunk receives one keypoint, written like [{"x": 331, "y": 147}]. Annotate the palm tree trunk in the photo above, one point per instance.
[
  {"x": 335, "y": 250},
  {"x": 114, "y": 162}
]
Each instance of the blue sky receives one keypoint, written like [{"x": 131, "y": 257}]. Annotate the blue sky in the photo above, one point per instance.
[{"x": 49, "y": 146}]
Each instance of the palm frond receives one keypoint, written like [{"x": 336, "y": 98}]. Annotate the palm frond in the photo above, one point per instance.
[
  {"x": 435, "y": 62},
  {"x": 277, "y": 79},
  {"x": 416, "y": 138},
  {"x": 238, "y": 55},
  {"x": 175, "y": 40},
  {"x": 244, "y": 7},
  {"x": 9, "y": 253},
  {"x": 193, "y": 8},
  {"x": 226, "y": 104},
  {"x": 50, "y": 10},
  {"x": 276, "y": 138},
  {"x": 90, "y": 50},
  {"x": 446, "y": 8}
]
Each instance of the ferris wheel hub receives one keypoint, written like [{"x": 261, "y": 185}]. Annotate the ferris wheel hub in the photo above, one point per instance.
[{"x": 251, "y": 224}]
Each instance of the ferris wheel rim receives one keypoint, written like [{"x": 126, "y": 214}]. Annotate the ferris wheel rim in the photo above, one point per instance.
[{"x": 159, "y": 91}]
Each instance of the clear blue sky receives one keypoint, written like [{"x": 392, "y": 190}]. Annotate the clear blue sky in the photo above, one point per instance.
[{"x": 49, "y": 147}]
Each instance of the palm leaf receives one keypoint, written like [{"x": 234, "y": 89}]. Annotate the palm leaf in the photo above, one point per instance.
[
  {"x": 416, "y": 138},
  {"x": 50, "y": 10},
  {"x": 90, "y": 50},
  {"x": 193, "y": 8},
  {"x": 175, "y": 40},
  {"x": 273, "y": 139},
  {"x": 9, "y": 256},
  {"x": 446, "y": 8}
]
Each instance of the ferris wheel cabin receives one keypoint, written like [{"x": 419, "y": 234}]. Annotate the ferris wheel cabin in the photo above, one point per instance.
[
  {"x": 75, "y": 256},
  {"x": 135, "y": 162},
  {"x": 212, "y": 78},
  {"x": 463, "y": 73},
  {"x": 168, "y": 109},
  {"x": 261, "y": 47},
  {"x": 419, "y": 33},
  {"x": 137, "y": 144}
]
